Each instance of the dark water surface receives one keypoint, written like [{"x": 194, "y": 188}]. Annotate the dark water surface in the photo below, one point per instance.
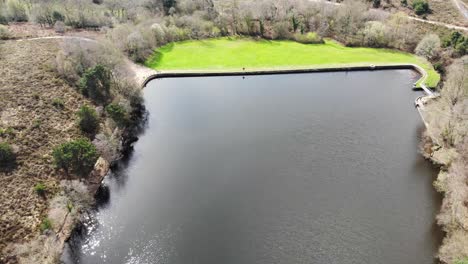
[{"x": 300, "y": 168}]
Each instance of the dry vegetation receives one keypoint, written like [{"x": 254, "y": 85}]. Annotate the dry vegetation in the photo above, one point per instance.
[
  {"x": 447, "y": 145},
  {"x": 38, "y": 111},
  {"x": 31, "y": 30},
  {"x": 32, "y": 125},
  {"x": 441, "y": 10},
  {"x": 445, "y": 11}
]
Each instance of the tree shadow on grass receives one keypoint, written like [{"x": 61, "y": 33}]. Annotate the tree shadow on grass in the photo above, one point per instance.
[
  {"x": 155, "y": 59},
  {"x": 167, "y": 48},
  {"x": 206, "y": 44}
]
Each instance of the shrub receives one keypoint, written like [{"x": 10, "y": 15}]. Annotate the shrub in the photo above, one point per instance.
[
  {"x": 281, "y": 30},
  {"x": 40, "y": 188},
  {"x": 462, "y": 47},
  {"x": 4, "y": 32},
  {"x": 118, "y": 114},
  {"x": 457, "y": 41},
  {"x": 36, "y": 123},
  {"x": 375, "y": 34},
  {"x": 46, "y": 224},
  {"x": 88, "y": 120},
  {"x": 95, "y": 83},
  {"x": 309, "y": 38},
  {"x": 42, "y": 15},
  {"x": 57, "y": 16},
  {"x": 429, "y": 46},
  {"x": 159, "y": 33},
  {"x": 78, "y": 156},
  {"x": 456, "y": 38},
  {"x": 59, "y": 27},
  {"x": 7, "y": 157},
  {"x": 77, "y": 56},
  {"x": 168, "y": 4},
  {"x": 58, "y": 103},
  {"x": 69, "y": 206},
  {"x": 439, "y": 67},
  {"x": 295, "y": 23},
  {"x": 3, "y": 13},
  {"x": 421, "y": 7},
  {"x": 16, "y": 11},
  {"x": 108, "y": 146},
  {"x": 4, "y": 132},
  {"x": 137, "y": 48},
  {"x": 462, "y": 261}
]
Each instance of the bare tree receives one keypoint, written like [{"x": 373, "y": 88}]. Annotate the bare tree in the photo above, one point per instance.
[{"x": 429, "y": 46}]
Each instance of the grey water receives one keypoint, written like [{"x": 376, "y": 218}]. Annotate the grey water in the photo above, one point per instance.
[{"x": 297, "y": 168}]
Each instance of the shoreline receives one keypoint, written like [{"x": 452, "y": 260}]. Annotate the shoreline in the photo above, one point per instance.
[
  {"x": 419, "y": 84},
  {"x": 102, "y": 170},
  {"x": 181, "y": 74}
]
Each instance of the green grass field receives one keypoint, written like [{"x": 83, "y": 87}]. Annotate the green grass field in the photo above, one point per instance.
[{"x": 233, "y": 54}]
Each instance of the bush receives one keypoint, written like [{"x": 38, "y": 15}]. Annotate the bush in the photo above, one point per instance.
[
  {"x": 88, "y": 120},
  {"x": 159, "y": 33},
  {"x": 429, "y": 46},
  {"x": 439, "y": 67},
  {"x": 375, "y": 34},
  {"x": 58, "y": 103},
  {"x": 108, "y": 146},
  {"x": 7, "y": 157},
  {"x": 69, "y": 206},
  {"x": 309, "y": 38},
  {"x": 77, "y": 156},
  {"x": 4, "y": 32},
  {"x": 375, "y": 3},
  {"x": 16, "y": 11},
  {"x": 57, "y": 16},
  {"x": 462, "y": 47},
  {"x": 5, "y": 132},
  {"x": 95, "y": 83},
  {"x": 457, "y": 41},
  {"x": 36, "y": 123},
  {"x": 59, "y": 27},
  {"x": 281, "y": 31},
  {"x": 137, "y": 48},
  {"x": 118, "y": 114},
  {"x": 40, "y": 189},
  {"x": 77, "y": 56},
  {"x": 46, "y": 224},
  {"x": 421, "y": 7}
]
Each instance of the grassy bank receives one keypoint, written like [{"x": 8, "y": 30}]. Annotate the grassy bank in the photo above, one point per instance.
[{"x": 225, "y": 54}]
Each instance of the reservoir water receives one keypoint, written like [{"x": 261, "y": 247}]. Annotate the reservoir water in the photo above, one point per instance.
[{"x": 297, "y": 168}]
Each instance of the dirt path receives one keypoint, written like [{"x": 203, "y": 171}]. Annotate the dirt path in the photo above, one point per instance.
[
  {"x": 462, "y": 7},
  {"x": 140, "y": 72},
  {"x": 58, "y": 37}
]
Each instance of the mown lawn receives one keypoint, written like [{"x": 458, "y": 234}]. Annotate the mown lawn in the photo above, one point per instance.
[{"x": 231, "y": 54}]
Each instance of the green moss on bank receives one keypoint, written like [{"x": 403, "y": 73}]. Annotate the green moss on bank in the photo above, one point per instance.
[{"x": 234, "y": 54}]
